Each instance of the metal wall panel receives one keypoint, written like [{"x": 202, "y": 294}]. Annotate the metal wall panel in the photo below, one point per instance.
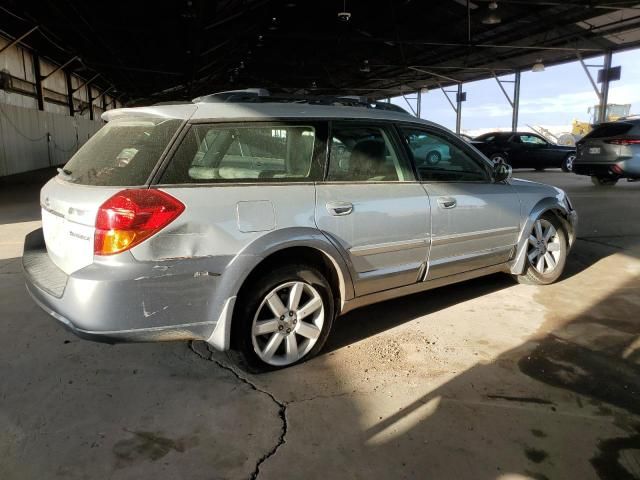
[{"x": 31, "y": 139}]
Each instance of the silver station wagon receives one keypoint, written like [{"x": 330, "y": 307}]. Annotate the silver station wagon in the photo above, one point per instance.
[{"x": 252, "y": 225}]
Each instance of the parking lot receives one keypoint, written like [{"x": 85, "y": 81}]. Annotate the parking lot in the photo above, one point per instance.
[{"x": 485, "y": 379}]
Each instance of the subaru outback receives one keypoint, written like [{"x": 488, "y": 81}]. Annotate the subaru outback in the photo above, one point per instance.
[{"x": 253, "y": 225}]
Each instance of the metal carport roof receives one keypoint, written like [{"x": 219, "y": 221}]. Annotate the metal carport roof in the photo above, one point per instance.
[{"x": 152, "y": 51}]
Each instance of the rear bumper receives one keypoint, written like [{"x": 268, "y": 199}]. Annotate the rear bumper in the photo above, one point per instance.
[
  {"x": 123, "y": 302},
  {"x": 622, "y": 168}
]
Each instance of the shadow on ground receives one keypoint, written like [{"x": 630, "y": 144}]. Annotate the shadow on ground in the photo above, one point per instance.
[{"x": 565, "y": 403}]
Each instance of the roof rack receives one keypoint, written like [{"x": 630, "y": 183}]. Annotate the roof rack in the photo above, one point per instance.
[{"x": 261, "y": 95}]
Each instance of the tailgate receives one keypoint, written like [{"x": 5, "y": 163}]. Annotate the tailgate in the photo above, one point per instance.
[{"x": 68, "y": 218}]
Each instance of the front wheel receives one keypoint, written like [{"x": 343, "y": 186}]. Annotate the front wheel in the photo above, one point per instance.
[
  {"x": 498, "y": 158},
  {"x": 283, "y": 318},
  {"x": 567, "y": 163},
  {"x": 546, "y": 252},
  {"x": 603, "y": 181}
]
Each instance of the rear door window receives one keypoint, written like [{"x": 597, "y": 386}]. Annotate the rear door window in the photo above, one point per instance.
[
  {"x": 244, "y": 153},
  {"x": 531, "y": 140},
  {"x": 122, "y": 153}
]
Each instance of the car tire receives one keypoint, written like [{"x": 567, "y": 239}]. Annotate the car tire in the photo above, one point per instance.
[
  {"x": 567, "y": 163},
  {"x": 497, "y": 158},
  {"x": 433, "y": 158},
  {"x": 263, "y": 341},
  {"x": 545, "y": 259},
  {"x": 603, "y": 181}
]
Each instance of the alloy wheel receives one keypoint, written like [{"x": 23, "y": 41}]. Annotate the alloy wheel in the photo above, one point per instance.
[
  {"x": 433, "y": 158},
  {"x": 569, "y": 162},
  {"x": 544, "y": 247},
  {"x": 288, "y": 323},
  {"x": 498, "y": 159}
]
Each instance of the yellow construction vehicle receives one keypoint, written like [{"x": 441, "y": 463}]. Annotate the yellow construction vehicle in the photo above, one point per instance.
[{"x": 615, "y": 111}]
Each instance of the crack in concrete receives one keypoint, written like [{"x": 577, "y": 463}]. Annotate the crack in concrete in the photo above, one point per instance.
[
  {"x": 318, "y": 397},
  {"x": 282, "y": 407}
]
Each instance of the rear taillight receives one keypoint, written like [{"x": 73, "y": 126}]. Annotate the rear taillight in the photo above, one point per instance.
[
  {"x": 131, "y": 216},
  {"x": 624, "y": 141},
  {"x": 616, "y": 169}
]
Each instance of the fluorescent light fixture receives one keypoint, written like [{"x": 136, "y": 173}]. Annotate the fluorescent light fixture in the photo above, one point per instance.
[{"x": 491, "y": 19}]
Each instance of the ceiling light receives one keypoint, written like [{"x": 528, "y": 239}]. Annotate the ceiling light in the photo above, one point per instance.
[
  {"x": 492, "y": 18},
  {"x": 344, "y": 15},
  {"x": 538, "y": 66},
  {"x": 365, "y": 68}
]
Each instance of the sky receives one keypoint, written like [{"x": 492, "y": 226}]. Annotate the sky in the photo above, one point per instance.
[{"x": 552, "y": 98}]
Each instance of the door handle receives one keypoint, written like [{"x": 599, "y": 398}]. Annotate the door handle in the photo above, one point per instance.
[
  {"x": 447, "y": 202},
  {"x": 339, "y": 209}
]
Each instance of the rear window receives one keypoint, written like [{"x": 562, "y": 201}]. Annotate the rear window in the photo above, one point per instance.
[
  {"x": 122, "y": 153},
  {"x": 243, "y": 153},
  {"x": 610, "y": 130}
]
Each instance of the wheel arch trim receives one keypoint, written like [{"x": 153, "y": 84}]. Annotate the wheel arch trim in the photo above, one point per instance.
[
  {"x": 260, "y": 250},
  {"x": 546, "y": 205}
]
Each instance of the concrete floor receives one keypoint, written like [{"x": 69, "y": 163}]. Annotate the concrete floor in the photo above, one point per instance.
[{"x": 482, "y": 380}]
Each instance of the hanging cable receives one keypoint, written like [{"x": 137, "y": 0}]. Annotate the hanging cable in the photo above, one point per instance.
[{"x": 15, "y": 127}]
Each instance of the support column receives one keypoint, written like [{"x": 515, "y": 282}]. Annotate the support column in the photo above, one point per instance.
[
  {"x": 516, "y": 102},
  {"x": 604, "y": 95},
  {"x": 459, "y": 108},
  {"x": 67, "y": 76},
  {"x": 38, "y": 77},
  {"x": 419, "y": 104},
  {"x": 90, "y": 100}
]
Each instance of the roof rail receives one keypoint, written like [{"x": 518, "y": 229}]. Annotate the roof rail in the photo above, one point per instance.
[
  {"x": 261, "y": 95},
  {"x": 633, "y": 116}
]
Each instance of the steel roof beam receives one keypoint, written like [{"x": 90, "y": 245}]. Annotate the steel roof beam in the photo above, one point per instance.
[{"x": 19, "y": 39}]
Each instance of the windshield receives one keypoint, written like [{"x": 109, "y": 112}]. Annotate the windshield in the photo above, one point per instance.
[{"x": 123, "y": 153}]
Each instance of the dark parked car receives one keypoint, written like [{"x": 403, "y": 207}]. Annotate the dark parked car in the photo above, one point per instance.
[
  {"x": 611, "y": 151},
  {"x": 525, "y": 150}
]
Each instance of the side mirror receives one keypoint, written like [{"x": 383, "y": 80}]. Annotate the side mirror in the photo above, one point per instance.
[{"x": 502, "y": 172}]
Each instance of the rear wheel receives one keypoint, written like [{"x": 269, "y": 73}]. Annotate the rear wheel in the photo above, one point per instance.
[
  {"x": 433, "y": 158},
  {"x": 546, "y": 252},
  {"x": 567, "y": 164},
  {"x": 283, "y": 318},
  {"x": 603, "y": 181}
]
